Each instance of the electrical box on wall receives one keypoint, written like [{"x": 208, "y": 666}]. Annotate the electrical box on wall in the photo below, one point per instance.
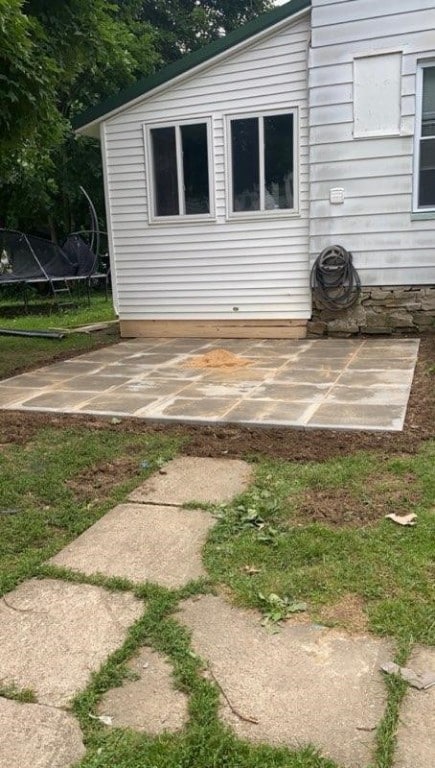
[{"x": 336, "y": 195}]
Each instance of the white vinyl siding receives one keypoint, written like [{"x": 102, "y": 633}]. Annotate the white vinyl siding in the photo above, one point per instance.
[
  {"x": 221, "y": 268},
  {"x": 390, "y": 244}
]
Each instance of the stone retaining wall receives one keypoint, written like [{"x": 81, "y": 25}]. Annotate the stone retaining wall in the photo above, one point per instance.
[{"x": 383, "y": 310}]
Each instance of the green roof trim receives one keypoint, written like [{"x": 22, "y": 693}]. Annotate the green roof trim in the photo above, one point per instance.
[{"x": 190, "y": 61}]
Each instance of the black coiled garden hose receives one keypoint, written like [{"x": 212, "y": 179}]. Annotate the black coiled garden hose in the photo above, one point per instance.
[{"x": 334, "y": 279}]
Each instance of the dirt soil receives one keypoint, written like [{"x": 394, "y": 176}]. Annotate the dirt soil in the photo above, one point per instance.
[
  {"x": 288, "y": 443},
  {"x": 95, "y": 483},
  {"x": 348, "y": 612},
  {"x": 380, "y": 495}
]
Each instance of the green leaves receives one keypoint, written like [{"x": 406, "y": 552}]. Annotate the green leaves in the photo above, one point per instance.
[
  {"x": 26, "y": 75},
  {"x": 57, "y": 59},
  {"x": 184, "y": 25},
  {"x": 277, "y": 609}
]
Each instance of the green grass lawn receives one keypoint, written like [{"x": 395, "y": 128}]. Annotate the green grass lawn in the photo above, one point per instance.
[
  {"x": 271, "y": 541},
  {"x": 51, "y": 316},
  {"x": 18, "y": 353}
]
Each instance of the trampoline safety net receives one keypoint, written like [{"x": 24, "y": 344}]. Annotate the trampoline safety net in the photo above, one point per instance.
[{"x": 27, "y": 259}]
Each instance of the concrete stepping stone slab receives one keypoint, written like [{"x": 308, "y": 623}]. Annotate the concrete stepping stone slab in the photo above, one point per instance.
[
  {"x": 191, "y": 478},
  {"x": 54, "y": 634},
  {"x": 141, "y": 543},
  {"x": 305, "y": 685},
  {"x": 416, "y": 732},
  {"x": 34, "y": 736},
  {"x": 151, "y": 703}
]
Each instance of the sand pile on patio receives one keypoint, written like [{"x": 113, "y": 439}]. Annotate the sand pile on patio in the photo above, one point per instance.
[{"x": 218, "y": 358}]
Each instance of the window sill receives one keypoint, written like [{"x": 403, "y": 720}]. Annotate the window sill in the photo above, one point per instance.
[
  {"x": 263, "y": 215},
  {"x": 178, "y": 220},
  {"x": 423, "y": 215},
  {"x": 380, "y": 135}
]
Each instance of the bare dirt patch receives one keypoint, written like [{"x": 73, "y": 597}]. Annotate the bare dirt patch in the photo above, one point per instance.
[
  {"x": 351, "y": 507},
  {"x": 218, "y": 358},
  {"x": 95, "y": 483},
  {"x": 348, "y": 612}
]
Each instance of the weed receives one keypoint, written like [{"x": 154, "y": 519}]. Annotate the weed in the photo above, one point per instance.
[
  {"x": 23, "y": 695},
  {"x": 277, "y": 609}
]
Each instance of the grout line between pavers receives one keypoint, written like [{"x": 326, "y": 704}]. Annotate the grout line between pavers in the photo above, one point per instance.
[
  {"x": 315, "y": 406},
  {"x": 271, "y": 379}
]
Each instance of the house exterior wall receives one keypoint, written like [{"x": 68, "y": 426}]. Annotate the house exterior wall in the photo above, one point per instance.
[
  {"x": 186, "y": 271},
  {"x": 391, "y": 245}
]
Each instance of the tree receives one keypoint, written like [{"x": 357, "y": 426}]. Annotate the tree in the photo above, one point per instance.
[
  {"x": 183, "y": 25},
  {"x": 58, "y": 58},
  {"x": 26, "y": 77}
]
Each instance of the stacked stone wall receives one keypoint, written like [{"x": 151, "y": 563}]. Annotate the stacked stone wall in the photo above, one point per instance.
[{"x": 379, "y": 310}]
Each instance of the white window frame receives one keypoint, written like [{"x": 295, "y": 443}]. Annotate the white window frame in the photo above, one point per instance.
[
  {"x": 263, "y": 212},
  {"x": 151, "y": 192},
  {"x": 421, "y": 66}
]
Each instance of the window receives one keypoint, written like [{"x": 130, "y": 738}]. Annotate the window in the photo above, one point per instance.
[
  {"x": 425, "y": 134},
  {"x": 262, "y": 163},
  {"x": 180, "y": 168}
]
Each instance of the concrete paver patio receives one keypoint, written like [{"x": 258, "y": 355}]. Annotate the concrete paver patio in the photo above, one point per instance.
[{"x": 330, "y": 383}]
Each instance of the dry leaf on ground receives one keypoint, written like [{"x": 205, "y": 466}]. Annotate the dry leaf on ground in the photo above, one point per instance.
[{"x": 403, "y": 519}]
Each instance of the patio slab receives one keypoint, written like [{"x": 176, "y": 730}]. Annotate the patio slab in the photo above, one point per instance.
[
  {"x": 34, "y": 736},
  {"x": 54, "y": 634},
  {"x": 416, "y": 732},
  {"x": 154, "y": 380},
  {"x": 139, "y": 542},
  {"x": 150, "y": 703},
  {"x": 195, "y": 479},
  {"x": 306, "y": 685}
]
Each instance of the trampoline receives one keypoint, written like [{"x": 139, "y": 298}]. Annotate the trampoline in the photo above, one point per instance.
[{"x": 27, "y": 259}]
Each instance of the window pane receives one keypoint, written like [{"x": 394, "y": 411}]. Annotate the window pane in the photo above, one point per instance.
[
  {"x": 278, "y": 154},
  {"x": 195, "y": 167},
  {"x": 426, "y": 194},
  {"x": 428, "y": 117},
  {"x": 245, "y": 164},
  {"x": 165, "y": 172}
]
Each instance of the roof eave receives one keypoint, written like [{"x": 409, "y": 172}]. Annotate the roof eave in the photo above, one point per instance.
[{"x": 88, "y": 123}]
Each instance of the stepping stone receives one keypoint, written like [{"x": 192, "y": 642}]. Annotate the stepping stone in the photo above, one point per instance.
[
  {"x": 142, "y": 543},
  {"x": 34, "y": 736},
  {"x": 187, "y": 479},
  {"x": 54, "y": 634},
  {"x": 151, "y": 703},
  {"x": 304, "y": 685},
  {"x": 416, "y": 733}
]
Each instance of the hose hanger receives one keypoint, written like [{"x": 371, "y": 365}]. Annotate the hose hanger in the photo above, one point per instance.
[{"x": 334, "y": 280}]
